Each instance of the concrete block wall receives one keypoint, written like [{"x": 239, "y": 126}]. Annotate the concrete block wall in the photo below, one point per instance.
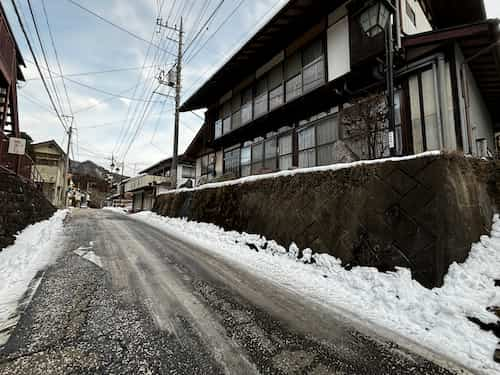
[
  {"x": 21, "y": 204},
  {"x": 422, "y": 214}
]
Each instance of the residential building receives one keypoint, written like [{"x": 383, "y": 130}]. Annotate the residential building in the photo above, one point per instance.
[
  {"x": 11, "y": 62},
  {"x": 144, "y": 191},
  {"x": 186, "y": 172},
  {"x": 156, "y": 180},
  {"x": 50, "y": 161},
  {"x": 308, "y": 89}
]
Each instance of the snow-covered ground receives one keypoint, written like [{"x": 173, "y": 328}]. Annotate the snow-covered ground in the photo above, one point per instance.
[
  {"x": 435, "y": 319},
  {"x": 118, "y": 210},
  {"x": 34, "y": 249}
]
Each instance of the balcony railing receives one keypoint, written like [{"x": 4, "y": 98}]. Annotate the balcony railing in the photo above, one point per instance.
[{"x": 21, "y": 165}]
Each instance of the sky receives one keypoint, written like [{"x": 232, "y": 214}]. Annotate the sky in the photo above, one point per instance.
[
  {"x": 108, "y": 107},
  {"x": 106, "y": 124}
]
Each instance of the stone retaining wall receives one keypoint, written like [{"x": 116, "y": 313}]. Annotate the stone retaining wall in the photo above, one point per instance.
[
  {"x": 422, "y": 213},
  {"x": 21, "y": 204}
]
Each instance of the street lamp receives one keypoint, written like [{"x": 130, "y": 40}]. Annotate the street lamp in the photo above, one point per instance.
[{"x": 374, "y": 18}]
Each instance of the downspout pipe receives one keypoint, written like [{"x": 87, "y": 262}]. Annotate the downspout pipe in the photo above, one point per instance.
[{"x": 439, "y": 105}]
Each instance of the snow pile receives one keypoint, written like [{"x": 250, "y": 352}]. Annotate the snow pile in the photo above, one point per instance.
[
  {"x": 435, "y": 319},
  {"x": 118, "y": 210},
  {"x": 325, "y": 168},
  {"x": 35, "y": 248}
]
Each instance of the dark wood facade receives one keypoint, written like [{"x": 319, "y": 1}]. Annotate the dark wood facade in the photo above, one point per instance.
[{"x": 10, "y": 72}]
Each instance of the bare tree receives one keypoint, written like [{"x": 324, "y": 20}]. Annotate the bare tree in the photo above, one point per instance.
[{"x": 365, "y": 125}]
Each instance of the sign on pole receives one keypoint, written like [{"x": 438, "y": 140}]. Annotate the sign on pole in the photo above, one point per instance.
[{"x": 17, "y": 146}]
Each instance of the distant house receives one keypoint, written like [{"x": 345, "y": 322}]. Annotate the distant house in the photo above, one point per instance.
[
  {"x": 185, "y": 170},
  {"x": 308, "y": 89},
  {"x": 155, "y": 181},
  {"x": 50, "y": 162}
]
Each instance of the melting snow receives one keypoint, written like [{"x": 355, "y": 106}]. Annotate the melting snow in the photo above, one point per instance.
[
  {"x": 435, "y": 319},
  {"x": 35, "y": 248},
  {"x": 89, "y": 254}
]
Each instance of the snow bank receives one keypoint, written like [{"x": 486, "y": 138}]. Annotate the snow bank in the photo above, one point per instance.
[
  {"x": 118, "y": 210},
  {"x": 326, "y": 168},
  {"x": 435, "y": 319},
  {"x": 34, "y": 249}
]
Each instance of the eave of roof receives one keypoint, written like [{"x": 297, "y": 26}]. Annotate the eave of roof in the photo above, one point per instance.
[
  {"x": 286, "y": 24},
  {"x": 51, "y": 142},
  {"x": 167, "y": 163},
  {"x": 448, "y": 13}
]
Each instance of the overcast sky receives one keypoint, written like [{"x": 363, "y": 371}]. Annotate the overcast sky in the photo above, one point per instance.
[{"x": 105, "y": 124}]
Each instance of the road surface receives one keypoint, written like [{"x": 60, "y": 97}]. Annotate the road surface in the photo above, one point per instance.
[{"x": 133, "y": 299}]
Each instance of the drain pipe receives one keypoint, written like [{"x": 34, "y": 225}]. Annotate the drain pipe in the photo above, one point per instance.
[{"x": 439, "y": 105}]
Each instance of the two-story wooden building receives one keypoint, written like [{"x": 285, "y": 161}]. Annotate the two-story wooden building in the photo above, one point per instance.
[
  {"x": 11, "y": 61},
  {"x": 50, "y": 161},
  {"x": 308, "y": 89}
]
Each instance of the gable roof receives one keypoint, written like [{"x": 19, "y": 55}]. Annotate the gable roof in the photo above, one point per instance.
[
  {"x": 50, "y": 143},
  {"x": 166, "y": 163}
]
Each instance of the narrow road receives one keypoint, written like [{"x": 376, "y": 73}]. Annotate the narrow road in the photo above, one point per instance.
[{"x": 133, "y": 299}]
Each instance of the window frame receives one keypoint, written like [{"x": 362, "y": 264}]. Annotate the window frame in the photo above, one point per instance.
[
  {"x": 411, "y": 14},
  {"x": 287, "y": 134},
  {"x": 235, "y": 166}
]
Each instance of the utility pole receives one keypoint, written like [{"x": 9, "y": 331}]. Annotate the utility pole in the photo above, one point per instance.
[
  {"x": 66, "y": 168},
  {"x": 177, "y": 84}
]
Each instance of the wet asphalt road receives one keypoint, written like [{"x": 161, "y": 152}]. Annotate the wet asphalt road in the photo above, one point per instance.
[{"x": 159, "y": 306}]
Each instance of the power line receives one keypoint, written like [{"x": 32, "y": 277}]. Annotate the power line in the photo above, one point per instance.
[
  {"x": 111, "y": 23},
  {"x": 118, "y": 96},
  {"x": 57, "y": 56},
  {"x": 23, "y": 29},
  {"x": 215, "y": 32},
  {"x": 207, "y": 22},
  {"x": 107, "y": 100},
  {"x": 238, "y": 6},
  {"x": 44, "y": 54},
  {"x": 131, "y": 117},
  {"x": 83, "y": 74}
]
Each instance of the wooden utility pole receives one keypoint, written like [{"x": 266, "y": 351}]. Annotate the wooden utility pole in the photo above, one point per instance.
[
  {"x": 66, "y": 167},
  {"x": 178, "y": 86},
  {"x": 175, "y": 156}
]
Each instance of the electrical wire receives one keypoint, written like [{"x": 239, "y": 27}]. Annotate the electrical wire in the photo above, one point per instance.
[
  {"x": 57, "y": 56},
  {"x": 30, "y": 46},
  {"x": 44, "y": 55},
  {"x": 84, "y": 74},
  {"x": 110, "y": 22}
]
